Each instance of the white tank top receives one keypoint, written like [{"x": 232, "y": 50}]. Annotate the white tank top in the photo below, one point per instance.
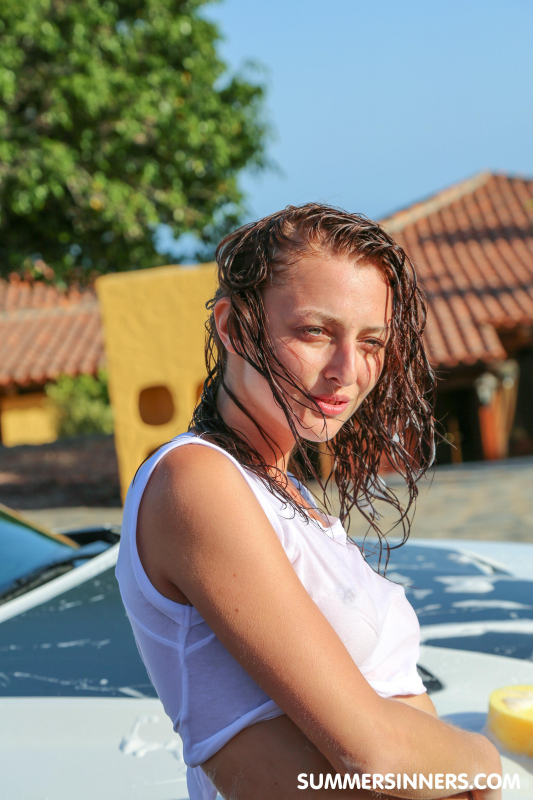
[{"x": 206, "y": 693}]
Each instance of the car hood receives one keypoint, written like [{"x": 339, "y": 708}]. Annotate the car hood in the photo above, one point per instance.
[
  {"x": 76, "y": 703},
  {"x": 71, "y": 638},
  {"x": 464, "y": 600},
  {"x": 125, "y": 749}
]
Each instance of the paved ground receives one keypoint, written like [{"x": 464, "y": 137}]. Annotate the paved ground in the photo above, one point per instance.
[
  {"x": 60, "y": 519},
  {"x": 78, "y": 471},
  {"x": 487, "y": 501}
]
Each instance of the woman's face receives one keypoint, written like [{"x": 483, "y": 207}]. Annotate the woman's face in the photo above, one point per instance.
[{"x": 329, "y": 321}]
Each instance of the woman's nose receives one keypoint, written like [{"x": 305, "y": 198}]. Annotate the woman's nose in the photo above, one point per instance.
[{"x": 345, "y": 365}]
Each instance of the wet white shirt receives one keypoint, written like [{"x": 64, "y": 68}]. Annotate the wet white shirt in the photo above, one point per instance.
[{"x": 206, "y": 693}]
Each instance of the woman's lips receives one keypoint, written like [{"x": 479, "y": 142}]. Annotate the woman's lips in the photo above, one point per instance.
[{"x": 332, "y": 405}]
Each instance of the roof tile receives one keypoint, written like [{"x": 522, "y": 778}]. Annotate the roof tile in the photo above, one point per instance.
[
  {"x": 45, "y": 332},
  {"x": 472, "y": 245}
]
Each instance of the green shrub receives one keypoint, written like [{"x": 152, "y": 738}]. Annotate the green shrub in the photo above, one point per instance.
[{"x": 81, "y": 404}]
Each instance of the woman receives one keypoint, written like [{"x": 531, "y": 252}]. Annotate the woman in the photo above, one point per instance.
[{"x": 275, "y": 648}]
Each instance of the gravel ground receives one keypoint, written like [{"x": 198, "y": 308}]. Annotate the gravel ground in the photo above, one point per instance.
[
  {"x": 487, "y": 501},
  {"x": 81, "y": 471},
  {"x": 484, "y": 501}
]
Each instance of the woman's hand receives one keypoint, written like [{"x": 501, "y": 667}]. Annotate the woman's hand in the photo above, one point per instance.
[{"x": 424, "y": 703}]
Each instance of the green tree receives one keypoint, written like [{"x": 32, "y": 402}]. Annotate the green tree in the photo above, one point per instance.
[
  {"x": 115, "y": 116},
  {"x": 81, "y": 404}
]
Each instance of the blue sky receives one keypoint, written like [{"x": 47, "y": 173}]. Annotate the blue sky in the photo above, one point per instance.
[{"x": 374, "y": 105}]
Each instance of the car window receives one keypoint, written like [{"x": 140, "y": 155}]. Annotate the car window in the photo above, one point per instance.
[
  {"x": 24, "y": 549},
  {"x": 76, "y": 644}
]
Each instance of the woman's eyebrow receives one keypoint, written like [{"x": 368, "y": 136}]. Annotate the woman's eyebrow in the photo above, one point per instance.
[
  {"x": 328, "y": 320},
  {"x": 312, "y": 312},
  {"x": 383, "y": 329}
]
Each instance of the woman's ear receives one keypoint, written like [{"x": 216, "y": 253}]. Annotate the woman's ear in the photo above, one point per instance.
[{"x": 221, "y": 312}]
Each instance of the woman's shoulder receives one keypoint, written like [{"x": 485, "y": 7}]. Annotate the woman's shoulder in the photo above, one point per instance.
[
  {"x": 195, "y": 462},
  {"x": 196, "y": 503},
  {"x": 190, "y": 478},
  {"x": 191, "y": 468}
]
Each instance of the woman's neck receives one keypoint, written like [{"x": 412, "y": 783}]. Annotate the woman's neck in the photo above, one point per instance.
[{"x": 274, "y": 447}]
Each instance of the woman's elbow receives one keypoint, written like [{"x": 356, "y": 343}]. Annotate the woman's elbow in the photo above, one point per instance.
[{"x": 377, "y": 756}]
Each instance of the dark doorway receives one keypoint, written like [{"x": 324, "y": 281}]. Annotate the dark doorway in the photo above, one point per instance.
[
  {"x": 521, "y": 440},
  {"x": 457, "y": 413}
]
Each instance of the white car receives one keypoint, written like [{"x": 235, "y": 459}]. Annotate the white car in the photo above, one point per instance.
[{"x": 80, "y": 719}]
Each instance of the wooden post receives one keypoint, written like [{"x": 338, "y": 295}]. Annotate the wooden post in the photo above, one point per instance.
[
  {"x": 490, "y": 425},
  {"x": 496, "y": 419}
]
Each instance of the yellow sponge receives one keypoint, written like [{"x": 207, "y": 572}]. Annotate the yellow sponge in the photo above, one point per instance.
[{"x": 510, "y": 718}]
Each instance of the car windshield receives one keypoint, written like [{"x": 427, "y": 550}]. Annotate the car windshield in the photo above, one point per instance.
[{"x": 24, "y": 549}]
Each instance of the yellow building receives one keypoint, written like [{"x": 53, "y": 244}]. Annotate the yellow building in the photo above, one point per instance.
[
  {"x": 26, "y": 419},
  {"x": 44, "y": 333},
  {"x": 154, "y": 333}
]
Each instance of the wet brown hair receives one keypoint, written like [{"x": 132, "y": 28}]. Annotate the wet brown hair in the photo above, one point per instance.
[{"x": 393, "y": 424}]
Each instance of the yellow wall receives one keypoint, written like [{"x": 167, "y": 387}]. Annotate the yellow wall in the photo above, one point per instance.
[
  {"x": 154, "y": 337},
  {"x": 26, "y": 419}
]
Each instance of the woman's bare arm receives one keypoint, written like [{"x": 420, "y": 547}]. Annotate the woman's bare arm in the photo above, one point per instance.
[
  {"x": 421, "y": 701},
  {"x": 266, "y": 761},
  {"x": 203, "y": 531}
]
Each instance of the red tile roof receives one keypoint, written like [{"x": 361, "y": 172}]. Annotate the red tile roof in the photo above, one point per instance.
[
  {"x": 472, "y": 245},
  {"x": 45, "y": 332}
]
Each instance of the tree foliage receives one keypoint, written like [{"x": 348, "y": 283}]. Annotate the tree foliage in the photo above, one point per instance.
[
  {"x": 81, "y": 404},
  {"x": 115, "y": 116}
]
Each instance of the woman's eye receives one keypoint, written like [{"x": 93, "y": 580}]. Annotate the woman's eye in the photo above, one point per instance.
[
  {"x": 312, "y": 331},
  {"x": 374, "y": 344}
]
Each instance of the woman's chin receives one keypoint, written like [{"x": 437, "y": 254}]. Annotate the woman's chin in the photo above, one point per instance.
[{"x": 313, "y": 431}]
